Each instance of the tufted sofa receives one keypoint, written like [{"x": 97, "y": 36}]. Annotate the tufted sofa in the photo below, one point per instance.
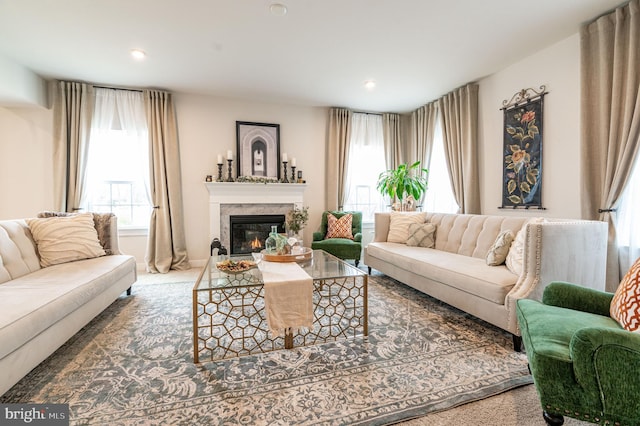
[
  {"x": 455, "y": 270},
  {"x": 42, "y": 307}
]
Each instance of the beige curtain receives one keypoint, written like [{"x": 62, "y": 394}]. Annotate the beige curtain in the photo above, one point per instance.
[
  {"x": 423, "y": 127},
  {"x": 610, "y": 64},
  {"x": 166, "y": 247},
  {"x": 73, "y": 105},
  {"x": 392, "y": 136},
  {"x": 337, "y": 156},
  {"x": 459, "y": 117}
]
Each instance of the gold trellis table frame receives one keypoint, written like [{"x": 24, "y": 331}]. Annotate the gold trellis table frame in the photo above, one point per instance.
[{"x": 229, "y": 318}]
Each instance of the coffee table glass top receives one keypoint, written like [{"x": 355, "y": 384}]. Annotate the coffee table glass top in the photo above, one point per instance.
[{"x": 322, "y": 266}]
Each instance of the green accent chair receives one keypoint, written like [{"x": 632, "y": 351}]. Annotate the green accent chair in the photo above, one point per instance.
[
  {"x": 584, "y": 364},
  {"x": 343, "y": 248}
]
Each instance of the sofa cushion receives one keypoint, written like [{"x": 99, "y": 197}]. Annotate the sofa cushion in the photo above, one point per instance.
[
  {"x": 625, "y": 305},
  {"x": 399, "y": 225},
  {"x": 33, "y": 302},
  {"x": 103, "y": 224},
  {"x": 65, "y": 239},
  {"x": 422, "y": 235},
  {"x": 465, "y": 273},
  {"x": 498, "y": 252},
  {"x": 515, "y": 257},
  {"x": 17, "y": 249}
]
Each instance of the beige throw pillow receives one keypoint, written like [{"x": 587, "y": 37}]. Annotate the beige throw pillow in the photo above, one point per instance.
[
  {"x": 102, "y": 223},
  {"x": 498, "y": 252},
  {"x": 515, "y": 258},
  {"x": 65, "y": 239},
  {"x": 422, "y": 235},
  {"x": 399, "y": 225}
]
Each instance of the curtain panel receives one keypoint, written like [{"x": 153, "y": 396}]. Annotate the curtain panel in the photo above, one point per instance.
[
  {"x": 610, "y": 116},
  {"x": 166, "y": 246},
  {"x": 423, "y": 127},
  {"x": 392, "y": 136},
  {"x": 459, "y": 117},
  {"x": 73, "y": 105},
  {"x": 339, "y": 135}
]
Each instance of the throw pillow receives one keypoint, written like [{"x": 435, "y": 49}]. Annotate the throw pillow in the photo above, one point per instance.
[
  {"x": 102, "y": 223},
  {"x": 625, "y": 305},
  {"x": 515, "y": 258},
  {"x": 339, "y": 228},
  {"x": 500, "y": 248},
  {"x": 65, "y": 239},
  {"x": 422, "y": 235},
  {"x": 399, "y": 225}
]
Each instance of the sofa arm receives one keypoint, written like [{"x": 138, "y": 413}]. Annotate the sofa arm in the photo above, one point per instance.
[
  {"x": 603, "y": 359},
  {"x": 578, "y": 298},
  {"x": 381, "y": 227},
  {"x": 357, "y": 237},
  {"x": 570, "y": 251},
  {"x": 318, "y": 236}
]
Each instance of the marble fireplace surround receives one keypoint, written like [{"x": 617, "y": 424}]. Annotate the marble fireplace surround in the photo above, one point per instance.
[{"x": 240, "y": 198}]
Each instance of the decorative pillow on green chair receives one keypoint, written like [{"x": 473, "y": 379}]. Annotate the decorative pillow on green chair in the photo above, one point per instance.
[
  {"x": 625, "y": 305},
  {"x": 339, "y": 228}
]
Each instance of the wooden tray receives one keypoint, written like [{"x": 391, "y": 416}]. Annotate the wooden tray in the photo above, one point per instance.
[{"x": 307, "y": 254}]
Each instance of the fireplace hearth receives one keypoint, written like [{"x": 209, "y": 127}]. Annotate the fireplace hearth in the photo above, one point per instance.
[{"x": 249, "y": 232}]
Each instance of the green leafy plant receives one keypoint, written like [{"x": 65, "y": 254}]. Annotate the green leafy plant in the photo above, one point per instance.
[
  {"x": 296, "y": 219},
  {"x": 403, "y": 181}
]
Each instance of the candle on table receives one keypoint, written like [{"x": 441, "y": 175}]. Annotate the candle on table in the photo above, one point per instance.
[
  {"x": 229, "y": 155},
  {"x": 284, "y": 158},
  {"x": 219, "y": 159},
  {"x": 293, "y": 162}
]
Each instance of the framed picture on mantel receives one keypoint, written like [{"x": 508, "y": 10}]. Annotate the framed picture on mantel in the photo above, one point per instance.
[{"x": 258, "y": 147}]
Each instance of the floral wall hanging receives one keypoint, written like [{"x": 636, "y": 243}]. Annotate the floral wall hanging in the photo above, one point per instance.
[{"x": 522, "y": 150}]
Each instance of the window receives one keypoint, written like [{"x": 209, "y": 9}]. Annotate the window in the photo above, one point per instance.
[
  {"x": 366, "y": 162},
  {"x": 439, "y": 196},
  {"x": 118, "y": 159},
  {"x": 627, "y": 224}
]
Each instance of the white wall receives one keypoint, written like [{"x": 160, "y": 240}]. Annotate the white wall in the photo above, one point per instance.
[
  {"x": 26, "y": 161},
  {"x": 557, "y": 68}
]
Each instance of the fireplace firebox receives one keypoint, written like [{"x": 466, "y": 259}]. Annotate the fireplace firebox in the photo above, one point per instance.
[{"x": 249, "y": 232}]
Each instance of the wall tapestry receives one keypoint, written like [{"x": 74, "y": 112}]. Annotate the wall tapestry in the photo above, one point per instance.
[{"x": 522, "y": 150}]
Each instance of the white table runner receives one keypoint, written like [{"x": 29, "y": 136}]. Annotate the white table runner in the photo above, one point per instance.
[{"x": 288, "y": 296}]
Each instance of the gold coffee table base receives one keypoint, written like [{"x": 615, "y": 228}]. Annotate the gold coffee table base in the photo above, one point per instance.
[{"x": 229, "y": 318}]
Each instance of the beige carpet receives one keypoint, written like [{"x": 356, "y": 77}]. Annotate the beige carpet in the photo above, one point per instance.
[{"x": 519, "y": 407}]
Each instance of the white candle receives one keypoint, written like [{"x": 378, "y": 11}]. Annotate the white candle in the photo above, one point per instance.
[
  {"x": 219, "y": 158},
  {"x": 293, "y": 162},
  {"x": 229, "y": 155},
  {"x": 284, "y": 158}
]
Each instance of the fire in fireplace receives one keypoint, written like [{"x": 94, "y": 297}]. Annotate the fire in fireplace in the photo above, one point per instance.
[{"x": 249, "y": 232}]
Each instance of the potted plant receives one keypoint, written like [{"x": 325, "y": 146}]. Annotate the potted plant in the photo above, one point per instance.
[
  {"x": 403, "y": 183},
  {"x": 296, "y": 219}
]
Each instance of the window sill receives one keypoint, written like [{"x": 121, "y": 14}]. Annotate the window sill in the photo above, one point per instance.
[{"x": 133, "y": 232}]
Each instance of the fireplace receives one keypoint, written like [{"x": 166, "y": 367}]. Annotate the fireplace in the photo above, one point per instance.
[{"x": 249, "y": 232}]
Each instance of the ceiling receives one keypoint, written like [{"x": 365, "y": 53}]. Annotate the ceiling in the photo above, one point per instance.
[{"x": 319, "y": 53}]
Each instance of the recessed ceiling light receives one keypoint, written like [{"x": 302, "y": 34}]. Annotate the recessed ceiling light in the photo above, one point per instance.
[
  {"x": 370, "y": 84},
  {"x": 138, "y": 54},
  {"x": 278, "y": 9}
]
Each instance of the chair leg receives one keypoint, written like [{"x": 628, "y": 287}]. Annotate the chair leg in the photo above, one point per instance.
[
  {"x": 517, "y": 343},
  {"x": 553, "y": 419},
  {"x": 369, "y": 267},
  {"x": 357, "y": 261}
]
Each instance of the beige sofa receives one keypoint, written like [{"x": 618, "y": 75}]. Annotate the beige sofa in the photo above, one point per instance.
[
  {"x": 456, "y": 272},
  {"x": 42, "y": 307}
]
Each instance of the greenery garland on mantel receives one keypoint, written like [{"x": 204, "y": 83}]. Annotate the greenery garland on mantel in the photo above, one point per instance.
[{"x": 254, "y": 179}]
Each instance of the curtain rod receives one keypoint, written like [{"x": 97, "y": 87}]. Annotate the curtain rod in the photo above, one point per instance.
[{"x": 116, "y": 88}]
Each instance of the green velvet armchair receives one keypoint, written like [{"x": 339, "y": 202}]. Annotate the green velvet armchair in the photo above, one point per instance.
[
  {"x": 584, "y": 364},
  {"x": 343, "y": 248}
]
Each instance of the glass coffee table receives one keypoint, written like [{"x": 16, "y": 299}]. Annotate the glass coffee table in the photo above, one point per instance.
[{"x": 229, "y": 317}]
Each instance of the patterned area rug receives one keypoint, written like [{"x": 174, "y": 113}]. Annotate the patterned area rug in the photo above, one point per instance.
[{"x": 133, "y": 364}]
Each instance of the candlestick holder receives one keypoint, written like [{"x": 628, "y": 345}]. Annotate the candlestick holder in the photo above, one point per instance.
[
  {"x": 229, "y": 178},
  {"x": 219, "y": 173},
  {"x": 285, "y": 179},
  {"x": 293, "y": 174}
]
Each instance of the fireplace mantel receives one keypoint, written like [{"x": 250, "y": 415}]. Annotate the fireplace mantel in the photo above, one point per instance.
[{"x": 221, "y": 193}]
